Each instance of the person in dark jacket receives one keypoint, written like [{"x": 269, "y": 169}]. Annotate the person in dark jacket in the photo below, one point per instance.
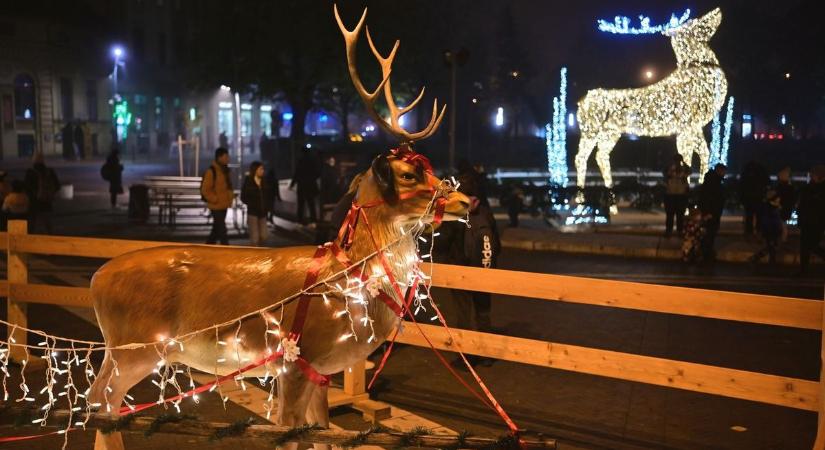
[
  {"x": 112, "y": 171},
  {"x": 67, "y": 136},
  {"x": 256, "y": 193},
  {"x": 305, "y": 178},
  {"x": 676, "y": 194},
  {"x": 753, "y": 183},
  {"x": 811, "y": 212},
  {"x": 42, "y": 187},
  {"x": 770, "y": 227},
  {"x": 787, "y": 198},
  {"x": 711, "y": 204}
]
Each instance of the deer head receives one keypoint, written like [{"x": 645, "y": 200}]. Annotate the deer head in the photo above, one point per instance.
[
  {"x": 402, "y": 182},
  {"x": 690, "y": 41}
]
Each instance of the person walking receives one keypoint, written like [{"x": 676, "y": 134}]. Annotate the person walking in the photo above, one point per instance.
[
  {"x": 753, "y": 184},
  {"x": 770, "y": 227},
  {"x": 216, "y": 190},
  {"x": 787, "y": 199},
  {"x": 711, "y": 204},
  {"x": 256, "y": 193},
  {"x": 42, "y": 186},
  {"x": 305, "y": 178},
  {"x": 67, "y": 136},
  {"x": 677, "y": 188},
  {"x": 811, "y": 212},
  {"x": 79, "y": 141},
  {"x": 112, "y": 171}
]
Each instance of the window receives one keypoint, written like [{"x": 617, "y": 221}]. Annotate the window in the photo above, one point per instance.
[
  {"x": 159, "y": 113},
  {"x": 266, "y": 120},
  {"x": 24, "y": 100},
  {"x": 91, "y": 99},
  {"x": 226, "y": 124},
  {"x": 66, "y": 98}
]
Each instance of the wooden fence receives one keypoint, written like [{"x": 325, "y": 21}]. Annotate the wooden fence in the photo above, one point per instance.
[{"x": 752, "y": 308}]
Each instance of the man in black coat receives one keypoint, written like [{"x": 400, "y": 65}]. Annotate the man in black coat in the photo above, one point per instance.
[
  {"x": 711, "y": 203},
  {"x": 753, "y": 184},
  {"x": 811, "y": 212},
  {"x": 307, "y": 172}
]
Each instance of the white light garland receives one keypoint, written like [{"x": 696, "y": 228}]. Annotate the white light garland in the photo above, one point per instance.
[
  {"x": 679, "y": 105},
  {"x": 61, "y": 354},
  {"x": 621, "y": 24}
]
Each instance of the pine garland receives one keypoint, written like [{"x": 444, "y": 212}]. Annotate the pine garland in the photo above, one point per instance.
[
  {"x": 361, "y": 438},
  {"x": 154, "y": 427},
  {"x": 236, "y": 429},
  {"x": 296, "y": 433},
  {"x": 410, "y": 438}
]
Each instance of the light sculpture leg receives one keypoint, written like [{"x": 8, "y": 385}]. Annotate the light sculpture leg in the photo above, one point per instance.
[
  {"x": 586, "y": 145},
  {"x": 606, "y": 144}
]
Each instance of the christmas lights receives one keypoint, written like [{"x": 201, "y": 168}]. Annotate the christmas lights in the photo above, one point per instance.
[
  {"x": 723, "y": 154},
  {"x": 556, "y": 135},
  {"x": 681, "y": 104},
  {"x": 621, "y": 24}
]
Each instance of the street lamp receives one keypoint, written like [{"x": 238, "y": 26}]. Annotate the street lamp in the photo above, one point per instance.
[
  {"x": 649, "y": 74},
  {"x": 117, "y": 53}
]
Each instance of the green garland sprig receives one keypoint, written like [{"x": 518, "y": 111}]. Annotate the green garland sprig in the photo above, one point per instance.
[
  {"x": 296, "y": 433},
  {"x": 154, "y": 427},
  {"x": 235, "y": 429}
]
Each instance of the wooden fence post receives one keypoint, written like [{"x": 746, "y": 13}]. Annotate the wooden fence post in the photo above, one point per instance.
[
  {"x": 819, "y": 444},
  {"x": 355, "y": 379},
  {"x": 18, "y": 273}
]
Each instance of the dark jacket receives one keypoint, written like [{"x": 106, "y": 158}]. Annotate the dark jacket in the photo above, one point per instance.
[
  {"x": 811, "y": 207},
  {"x": 787, "y": 197},
  {"x": 42, "y": 186},
  {"x": 307, "y": 171},
  {"x": 753, "y": 183},
  {"x": 770, "y": 220},
  {"x": 112, "y": 171},
  {"x": 258, "y": 199},
  {"x": 712, "y": 195},
  {"x": 481, "y": 241}
]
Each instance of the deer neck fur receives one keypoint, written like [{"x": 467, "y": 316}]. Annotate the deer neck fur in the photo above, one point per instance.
[
  {"x": 401, "y": 257},
  {"x": 690, "y": 52}
]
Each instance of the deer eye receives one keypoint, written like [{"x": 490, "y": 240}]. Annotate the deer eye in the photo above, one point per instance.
[{"x": 408, "y": 176}]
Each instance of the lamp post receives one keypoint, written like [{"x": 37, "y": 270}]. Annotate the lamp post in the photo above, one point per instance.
[
  {"x": 118, "y": 110},
  {"x": 454, "y": 59}
]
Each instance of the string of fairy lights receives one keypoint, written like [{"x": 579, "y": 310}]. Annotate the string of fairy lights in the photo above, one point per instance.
[
  {"x": 556, "y": 135},
  {"x": 64, "y": 357}
]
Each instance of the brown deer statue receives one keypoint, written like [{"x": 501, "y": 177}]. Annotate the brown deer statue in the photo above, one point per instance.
[{"x": 156, "y": 294}]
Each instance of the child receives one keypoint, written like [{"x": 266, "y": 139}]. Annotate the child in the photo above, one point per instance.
[
  {"x": 15, "y": 204},
  {"x": 695, "y": 232},
  {"x": 770, "y": 226}
]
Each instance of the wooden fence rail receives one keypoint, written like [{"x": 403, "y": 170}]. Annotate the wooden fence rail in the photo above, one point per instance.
[{"x": 759, "y": 309}]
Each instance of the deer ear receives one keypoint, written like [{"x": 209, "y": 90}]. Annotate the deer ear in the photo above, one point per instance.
[{"x": 384, "y": 177}]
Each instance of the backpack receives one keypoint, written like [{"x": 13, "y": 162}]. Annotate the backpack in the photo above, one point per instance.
[
  {"x": 214, "y": 179},
  {"x": 46, "y": 186},
  {"x": 106, "y": 171}
]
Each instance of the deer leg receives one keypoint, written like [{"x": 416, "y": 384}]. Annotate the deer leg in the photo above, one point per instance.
[
  {"x": 606, "y": 144},
  {"x": 693, "y": 141},
  {"x": 318, "y": 411},
  {"x": 294, "y": 395},
  {"x": 586, "y": 145},
  {"x": 120, "y": 371}
]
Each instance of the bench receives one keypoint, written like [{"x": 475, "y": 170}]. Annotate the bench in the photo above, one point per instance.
[{"x": 172, "y": 193}]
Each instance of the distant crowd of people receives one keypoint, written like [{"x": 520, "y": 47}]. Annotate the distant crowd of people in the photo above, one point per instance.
[
  {"x": 766, "y": 210},
  {"x": 31, "y": 198}
]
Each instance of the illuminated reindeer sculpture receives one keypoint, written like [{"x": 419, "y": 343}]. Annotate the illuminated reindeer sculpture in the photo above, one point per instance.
[
  {"x": 155, "y": 294},
  {"x": 681, "y": 104}
]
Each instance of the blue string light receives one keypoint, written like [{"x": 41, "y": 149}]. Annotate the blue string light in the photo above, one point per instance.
[
  {"x": 621, "y": 24},
  {"x": 556, "y": 135},
  {"x": 723, "y": 156}
]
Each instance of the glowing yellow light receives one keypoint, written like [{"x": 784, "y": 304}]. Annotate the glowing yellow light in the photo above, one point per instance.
[
  {"x": 680, "y": 104},
  {"x": 648, "y": 74}
]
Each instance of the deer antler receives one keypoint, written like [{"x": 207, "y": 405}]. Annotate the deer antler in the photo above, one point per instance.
[{"x": 392, "y": 126}]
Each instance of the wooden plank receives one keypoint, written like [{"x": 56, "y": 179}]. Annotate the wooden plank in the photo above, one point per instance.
[
  {"x": 763, "y": 309},
  {"x": 4, "y": 240},
  {"x": 4, "y": 288},
  {"x": 18, "y": 272},
  {"x": 819, "y": 444},
  {"x": 78, "y": 246},
  {"x": 53, "y": 295},
  {"x": 355, "y": 379},
  {"x": 763, "y": 388}
]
